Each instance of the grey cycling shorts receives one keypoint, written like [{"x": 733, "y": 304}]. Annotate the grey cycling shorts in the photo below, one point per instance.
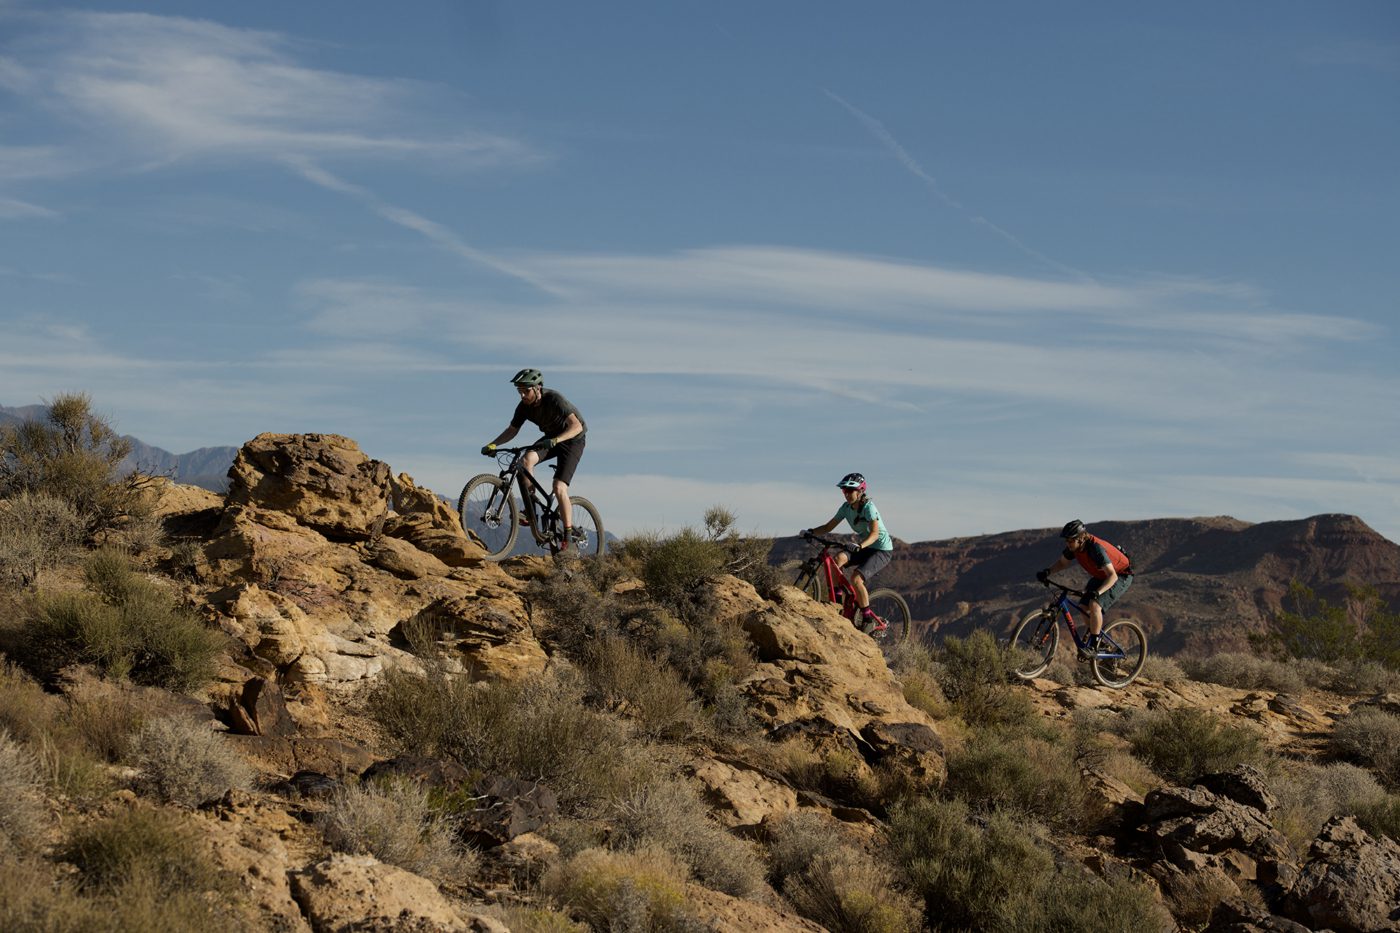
[{"x": 870, "y": 561}]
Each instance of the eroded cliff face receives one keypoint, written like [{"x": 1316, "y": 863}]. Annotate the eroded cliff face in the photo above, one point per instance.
[{"x": 1205, "y": 583}]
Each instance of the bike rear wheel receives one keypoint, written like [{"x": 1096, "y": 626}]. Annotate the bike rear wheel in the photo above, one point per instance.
[
  {"x": 1122, "y": 653},
  {"x": 490, "y": 514},
  {"x": 1033, "y": 644},
  {"x": 890, "y": 606}
]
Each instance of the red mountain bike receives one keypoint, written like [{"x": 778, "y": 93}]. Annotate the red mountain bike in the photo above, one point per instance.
[{"x": 820, "y": 578}]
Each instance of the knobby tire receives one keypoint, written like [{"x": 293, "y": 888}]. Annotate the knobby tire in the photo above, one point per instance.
[
  {"x": 890, "y": 606},
  {"x": 1033, "y": 644},
  {"x": 1119, "y": 672},
  {"x": 496, "y": 534}
]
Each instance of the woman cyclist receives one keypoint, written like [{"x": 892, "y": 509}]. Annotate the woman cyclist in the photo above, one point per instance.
[{"x": 874, "y": 551}]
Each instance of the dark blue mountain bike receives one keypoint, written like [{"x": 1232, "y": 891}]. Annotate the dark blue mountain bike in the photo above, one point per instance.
[{"x": 1120, "y": 656}]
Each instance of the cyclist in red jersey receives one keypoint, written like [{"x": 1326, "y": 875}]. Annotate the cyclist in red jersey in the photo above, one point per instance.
[{"x": 1110, "y": 574}]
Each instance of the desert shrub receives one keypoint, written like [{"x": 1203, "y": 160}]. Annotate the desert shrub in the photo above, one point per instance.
[
  {"x": 991, "y": 874},
  {"x": 624, "y": 678},
  {"x": 396, "y": 823},
  {"x": 1185, "y": 743},
  {"x": 1310, "y": 794},
  {"x": 847, "y": 892},
  {"x": 677, "y": 570},
  {"x": 522, "y": 919},
  {"x": 153, "y": 846},
  {"x": 108, "y": 719},
  {"x": 1380, "y": 817},
  {"x": 73, "y": 455},
  {"x": 1371, "y": 736},
  {"x": 42, "y": 724},
  {"x": 1363, "y": 627},
  {"x": 538, "y": 729},
  {"x": 1351, "y": 677},
  {"x": 670, "y": 815},
  {"x": 31, "y": 902},
  {"x": 917, "y": 669},
  {"x": 580, "y": 606},
  {"x": 1011, "y": 772},
  {"x": 971, "y": 875},
  {"x": 630, "y": 892},
  {"x": 126, "y": 625},
  {"x": 184, "y": 762},
  {"x": 1098, "y": 747},
  {"x": 22, "y": 812},
  {"x": 1244, "y": 672},
  {"x": 976, "y": 681},
  {"x": 37, "y": 531},
  {"x": 1162, "y": 670},
  {"x": 833, "y": 882}
]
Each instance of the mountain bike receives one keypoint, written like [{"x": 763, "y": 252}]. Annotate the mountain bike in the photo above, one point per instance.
[
  {"x": 1121, "y": 653},
  {"x": 490, "y": 512},
  {"x": 821, "y": 578}
]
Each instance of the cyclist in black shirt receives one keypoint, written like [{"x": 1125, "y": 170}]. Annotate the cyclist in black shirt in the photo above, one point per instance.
[{"x": 564, "y": 436}]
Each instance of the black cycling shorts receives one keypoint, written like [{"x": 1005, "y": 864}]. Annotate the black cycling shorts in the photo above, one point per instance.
[{"x": 568, "y": 453}]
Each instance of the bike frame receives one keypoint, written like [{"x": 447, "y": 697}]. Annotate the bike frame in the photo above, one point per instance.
[
  {"x": 539, "y": 504},
  {"x": 1065, "y": 608},
  {"x": 838, "y": 588}
]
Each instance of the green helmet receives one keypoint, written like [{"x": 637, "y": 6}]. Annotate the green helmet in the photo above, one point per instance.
[{"x": 528, "y": 377}]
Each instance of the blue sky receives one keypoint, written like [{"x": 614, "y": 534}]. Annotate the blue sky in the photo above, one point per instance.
[{"x": 1017, "y": 262}]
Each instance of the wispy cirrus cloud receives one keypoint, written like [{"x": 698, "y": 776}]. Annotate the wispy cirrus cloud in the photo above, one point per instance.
[
  {"x": 15, "y": 209},
  {"x": 169, "y": 88}
]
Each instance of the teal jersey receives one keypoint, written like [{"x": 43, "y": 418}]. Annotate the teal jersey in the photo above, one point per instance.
[{"x": 862, "y": 519}]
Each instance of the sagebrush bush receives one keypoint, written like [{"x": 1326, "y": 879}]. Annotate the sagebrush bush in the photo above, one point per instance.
[
  {"x": 976, "y": 680},
  {"x": 396, "y": 823},
  {"x": 831, "y": 881},
  {"x": 669, "y": 814},
  {"x": 1162, "y": 670},
  {"x": 1186, "y": 743},
  {"x": 990, "y": 874},
  {"x": 125, "y": 625},
  {"x": 37, "y": 531},
  {"x": 152, "y": 846},
  {"x": 625, "y": 678},
  {"x": 73, "y": 455},
  {"x": 539, "y": 729},
  {"x": 1371, "y": 736},
  {"x": 679, "y": 569},
  {"x": 521, "y": 919},
  {"x": 22, "y": 811},
  {"x": 43, "y": 724},
  {"x": 1013, "y": 772},
  {"x": 1245, "y": 672},
  {"x": 184, "y": 762},
  {"x": 1380, "y": 817},
  {"x": 1310, "y": 794},
  {"x": 633, "y": 892}
]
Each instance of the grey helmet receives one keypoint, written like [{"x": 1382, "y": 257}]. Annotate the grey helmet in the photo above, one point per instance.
[
  {"x": 528, "y": 377},
  {"x": 1073, "y": 530}
]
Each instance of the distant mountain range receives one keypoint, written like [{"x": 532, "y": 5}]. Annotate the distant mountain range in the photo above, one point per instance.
[{"x": 206, "y": 467}]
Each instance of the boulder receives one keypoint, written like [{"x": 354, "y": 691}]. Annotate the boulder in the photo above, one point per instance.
[
  {"x": 259, "y": 708},
  {"x": 359, "y": 892},
  {"x": 1350, "y": 881},
  {"x": 323, "y": 481},
  {"x": 741, "y": 796},
  {"x": 431, "y": 525},
  {"x": 506, "y": 808}
]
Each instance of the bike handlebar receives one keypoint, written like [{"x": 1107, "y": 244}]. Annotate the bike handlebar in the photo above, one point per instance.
[
  {"x": 512, "y": 450},
  {"x": 828, "y": 542},
  {"x": 1065, "y": 589}
]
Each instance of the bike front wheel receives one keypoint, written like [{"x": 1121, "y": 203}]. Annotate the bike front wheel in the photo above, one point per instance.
[
  {"x": 1033, "y": 644},
  {"x": 587, "y": 535},
  {"x": 1121, "y": 655},
  {"x": 490, "y": 514},
  {"x": 890, "y": 606},
  {"x": 812, "y": 581}
]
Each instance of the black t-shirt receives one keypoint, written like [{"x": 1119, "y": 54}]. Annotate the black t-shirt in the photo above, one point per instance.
[{"x": 551, "y": 415}]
